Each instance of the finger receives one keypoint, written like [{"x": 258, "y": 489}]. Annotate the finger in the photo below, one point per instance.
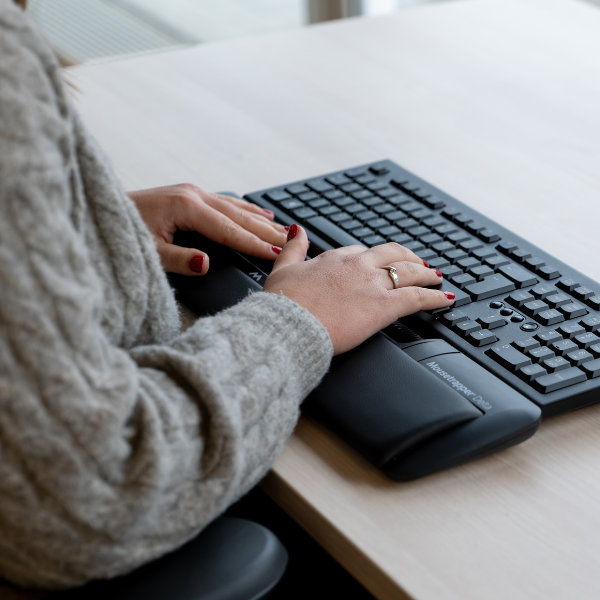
[
  {"x": 269, "y": 232},
  {"x": 294, "y": 250},
  {"x": 221, "y": 229},
  {"x": 258, "y": 210},
  {"x": 410, "y": 273},
  {"x": 185, "y": 261},
  {"x": 391, "y": 252},
  {"x": 409, "y": 300}
]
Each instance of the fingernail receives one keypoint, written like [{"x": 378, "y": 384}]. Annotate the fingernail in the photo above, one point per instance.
[
  {"x": 269, "y": 212},
  {"x": 425, "y": 263},
  {"x": 276, "y": 249},
  {"x": 292, "y": 232},
  {"x": 437, "y": 272},
  {"x": 449, "y": 295},
  {"x": 287, "y": 228},
  {"x": 196, "y": 264}
]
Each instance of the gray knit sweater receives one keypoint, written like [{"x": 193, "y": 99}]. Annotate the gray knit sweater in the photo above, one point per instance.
[{"x": 120, "y": 439}]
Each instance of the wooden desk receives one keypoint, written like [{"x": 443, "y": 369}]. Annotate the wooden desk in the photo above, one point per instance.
[{"x": 498, "y": 103}]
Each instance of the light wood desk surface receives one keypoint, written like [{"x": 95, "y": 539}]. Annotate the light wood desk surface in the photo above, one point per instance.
[{"x": 498, "y": 103}]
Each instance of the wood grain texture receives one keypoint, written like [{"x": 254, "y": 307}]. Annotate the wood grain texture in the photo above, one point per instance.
[{"x": 494, "y": 101}]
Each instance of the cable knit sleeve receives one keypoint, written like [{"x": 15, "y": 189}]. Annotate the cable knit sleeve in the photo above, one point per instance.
[{"x": 117, "y": 443}]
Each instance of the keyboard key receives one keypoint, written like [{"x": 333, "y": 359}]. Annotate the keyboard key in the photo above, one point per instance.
[
  {"x": 296, "y": 189},
  {"x": 450, "y": 271},
  {"x": 436, "y": 221},
  {"x": 389, "y": 230},
  {"x": 558, "y": 363},
  {"x": 534, "y": 263},
  {"x": 585, "y": 340},
  {"x": 405, "y": 224},
  {"x": 583, "y": 293},
  {"x": 450, "y": 213},
  {"x": 506, "y": 246},
  {"x": 419, "y": 231},
  {"x": 557, "y": 381},
  {"x": 361, "y": 194},
  {"x": 376, "y": 185},
  {"x": 454, "y": 255},
  {"x": 509, "y": 357},
  {"x": 422, "y": 215},
  {"x": 590, "y": 323},
  {"x": 468, "y": 263},
  {"x": 428, "y": 254},
  {"x": 534, "y": 307},
  {"x": 469, "y": 245},
  {"x": 563, "y": 347},
  {"x": 379, "y": 222},
  {"x": 573, "y": 310},
  {"x": 363, "y": 179},
  {"x": 304, "y": 213},
  {"x": 410, "y": 207},
  {"x": 540, "y": 354},
  {"x": 595, "y": 350},
  {"x": 348, "y": 188},
  {"x": 518, "y": 275},
  {"x": 356, "y": 172},
  {"x": 350, "y": 225},
  {"x": 382, "y": 209},
  {"x": 340, "y": 217},
  {"x": 482, "y": 338},
  {"x": 291, "y": 204},
  {"x": 443, "y": 247},
  {"x": 567, "y": 284},
  {"x": 466, "y": 327},
  {"x": 319, "y": 185},
  {"x": 491, "y": 322},
  {"x": 548, "y": 272},
  {"x": 387, "y": 192},
  {"x": 396, "y": 215},
  {"x": 415, "y": 246},
  {"x": 550, "y": 317},
  {"x": 401, "y": 238},
  {"x": 591, "y": 368},
  {"x": 570, "y": 331},
  {"x": 548, "y": 337},
  {"x": 331, "y": 232},
  {"x": 354, "y": 208},
  {"x": 557, "y": 300},
  {"x": 462, "y": 219},
  {"x": 496, "y": 261},
  {"x": 526, "y": 344},
  {"x": 362, "y": 232},
  {"x": 433, "y": 202},
  {"x": 481, "y": 272},
  {"x": 379, "y": 169},
  {"x": 488, "y": 236},
  {"x": 374, "y": 240},
  {"x": 329, "y": 210},
  {"x": 319, "y": 203},
  {"x": 481, "y": 253},
  {"x": 475, "y": 226},
  {"x": 333, "y": 194},
  {"x": 520, "y": 255},
  {"x": 344, "y": 201},
  {"x": 430, "y": 238},
  {"x": 453, "y": 318},
  {"x": 372, "y": 201},
  {"x": 366, "y": 215},
  {"x": 543, "y": 290},
  {"x": 338, "y": 179},
  {"x": 490, "y": 286},
  {"x": 462, "y": 281},
  {"x": 518, "y": 299},
  {"x": 579, "y": 357},
  {"x": 277, "y": 196},
  {"x": 438, "y": 263},
  {"x": 531, "y": 372},
  {"x": 444, "y": 229},
  {"x": 593, "y": 302}
]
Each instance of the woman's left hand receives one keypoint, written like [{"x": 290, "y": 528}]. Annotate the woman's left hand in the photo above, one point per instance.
[{"x": 235, "y": 223}]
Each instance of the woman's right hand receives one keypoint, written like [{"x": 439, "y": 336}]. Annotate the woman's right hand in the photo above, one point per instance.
[{"x": 349, "y": 292}]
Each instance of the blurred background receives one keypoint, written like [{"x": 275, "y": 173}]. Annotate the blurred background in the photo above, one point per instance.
[{"x": 97, "y": 30}]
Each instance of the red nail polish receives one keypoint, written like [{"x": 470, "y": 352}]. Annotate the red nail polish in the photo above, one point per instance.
[
  {"x": 292, "y": 232},
  {"x": 276, "y": 249},
  {"x": 437, "y": 272},
  {"x": 287, "y": 228},
  {"x": 449, "y": 295},
  {"x": 269, "y": 212},
  {"x": 196, "y": 264},
  {"x": 425, "y": 263}
]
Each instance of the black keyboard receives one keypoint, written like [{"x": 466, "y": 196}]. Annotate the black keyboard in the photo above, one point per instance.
[{"x": 528, "y": 318}]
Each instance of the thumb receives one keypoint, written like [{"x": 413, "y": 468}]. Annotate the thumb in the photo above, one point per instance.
[
  {"x": 185, "y": 261},
  {"x": 294, "y": 250}
]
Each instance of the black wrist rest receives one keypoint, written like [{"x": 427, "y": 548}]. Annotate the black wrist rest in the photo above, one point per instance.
[{"x": 411, "y": 411}]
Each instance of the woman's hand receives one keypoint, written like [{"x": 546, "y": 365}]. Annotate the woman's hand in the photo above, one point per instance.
[
  {"x": 235, "y": 223},
  {"x": 349, "y": 292}
]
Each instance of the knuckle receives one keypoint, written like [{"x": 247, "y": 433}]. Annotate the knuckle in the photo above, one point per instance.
[
  {"x": 410, "y": 269},
  {"x": 419, "y": 295}
]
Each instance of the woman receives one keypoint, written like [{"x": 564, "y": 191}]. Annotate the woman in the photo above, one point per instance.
[{"x": 121, "y": 438}]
